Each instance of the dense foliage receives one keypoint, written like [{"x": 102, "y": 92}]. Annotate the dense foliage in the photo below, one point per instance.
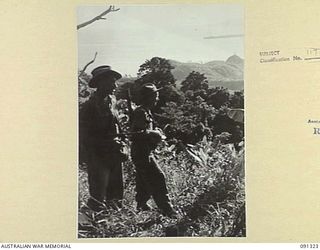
[
  {"x": 206, "y": 186},
  {"x": 202, "y": 158}
]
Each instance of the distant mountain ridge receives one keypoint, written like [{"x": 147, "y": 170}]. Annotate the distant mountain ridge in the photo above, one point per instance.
[{"x": 227, "y": 73}]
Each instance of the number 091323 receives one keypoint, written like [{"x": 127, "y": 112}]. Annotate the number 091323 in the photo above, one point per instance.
[{"x": 309, "y": 245}]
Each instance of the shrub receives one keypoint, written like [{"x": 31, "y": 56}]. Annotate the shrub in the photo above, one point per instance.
[{"x": 206, "y": 187}]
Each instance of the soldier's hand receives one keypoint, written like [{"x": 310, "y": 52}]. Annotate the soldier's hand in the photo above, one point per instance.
[
  {"x": 154, "y": 138},
  {"x": 163, "y": 136}
]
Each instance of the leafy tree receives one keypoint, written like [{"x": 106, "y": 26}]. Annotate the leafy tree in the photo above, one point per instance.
[
  {"x": 157, "y": 70},
  {"x": 83, "y": 89},
  {"x": 185, "y": 118},
  {"x": 237, "y": 100},
  {"x": 170, "y": 93},
  {"x": 195, "y": 82},
  {"x": 218, "y": 97},
  {"x": 121, "y": 91}
]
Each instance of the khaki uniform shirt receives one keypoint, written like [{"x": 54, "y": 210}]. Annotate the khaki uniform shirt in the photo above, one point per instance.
[{"x": 98, "y": 123}]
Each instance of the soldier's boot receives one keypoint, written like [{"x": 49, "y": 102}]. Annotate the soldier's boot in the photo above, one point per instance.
[
  {"x": 165, "y": 207},
  {"x": 163, "y": 202},
  {"x": 143, "y": 206},
  {"x": 95, "y": 205},
  {"x": 114, "y": 204},
  {"x": 168, "y": 211}
]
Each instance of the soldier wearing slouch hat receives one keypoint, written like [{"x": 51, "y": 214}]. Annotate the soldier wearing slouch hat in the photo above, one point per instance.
[
  {"x": 98, "y": 125},
  {"x": 150, "y": 180}
]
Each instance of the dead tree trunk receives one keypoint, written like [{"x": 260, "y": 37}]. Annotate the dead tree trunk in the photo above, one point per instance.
[{"x": 99, "y": 17}]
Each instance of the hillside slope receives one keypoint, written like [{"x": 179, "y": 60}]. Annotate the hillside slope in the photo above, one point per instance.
[{"x": 227, "y": 73}]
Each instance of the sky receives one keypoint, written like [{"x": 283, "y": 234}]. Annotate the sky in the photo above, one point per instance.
[{"x": 130, "y": 36}]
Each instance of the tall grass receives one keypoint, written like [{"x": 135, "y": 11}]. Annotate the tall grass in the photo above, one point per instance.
[{"x": 206, "y": 187}]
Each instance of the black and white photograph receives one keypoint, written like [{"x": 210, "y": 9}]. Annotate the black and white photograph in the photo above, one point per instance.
[{"x": 161, "y": 122}]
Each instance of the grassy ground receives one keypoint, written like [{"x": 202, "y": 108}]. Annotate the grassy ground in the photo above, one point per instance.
[{"x": 206, "y": 187}]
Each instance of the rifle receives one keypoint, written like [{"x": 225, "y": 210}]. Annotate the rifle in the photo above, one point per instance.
[
  {"x": 130, "y": 107},
  {"x": 126, "y": 134}
]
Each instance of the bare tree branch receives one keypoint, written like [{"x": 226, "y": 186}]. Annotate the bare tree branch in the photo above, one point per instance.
[
  {"x": 99, "y": 17},
  {"x": 85, "y": 67}
]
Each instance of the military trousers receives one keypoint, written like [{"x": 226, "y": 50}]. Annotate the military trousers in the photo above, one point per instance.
[
  {"x": 105, "y": 179},
  {"x": 150, "y": 180}
]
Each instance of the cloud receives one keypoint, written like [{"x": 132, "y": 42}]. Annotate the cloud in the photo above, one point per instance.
[{"x": 223, "y": 36}]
